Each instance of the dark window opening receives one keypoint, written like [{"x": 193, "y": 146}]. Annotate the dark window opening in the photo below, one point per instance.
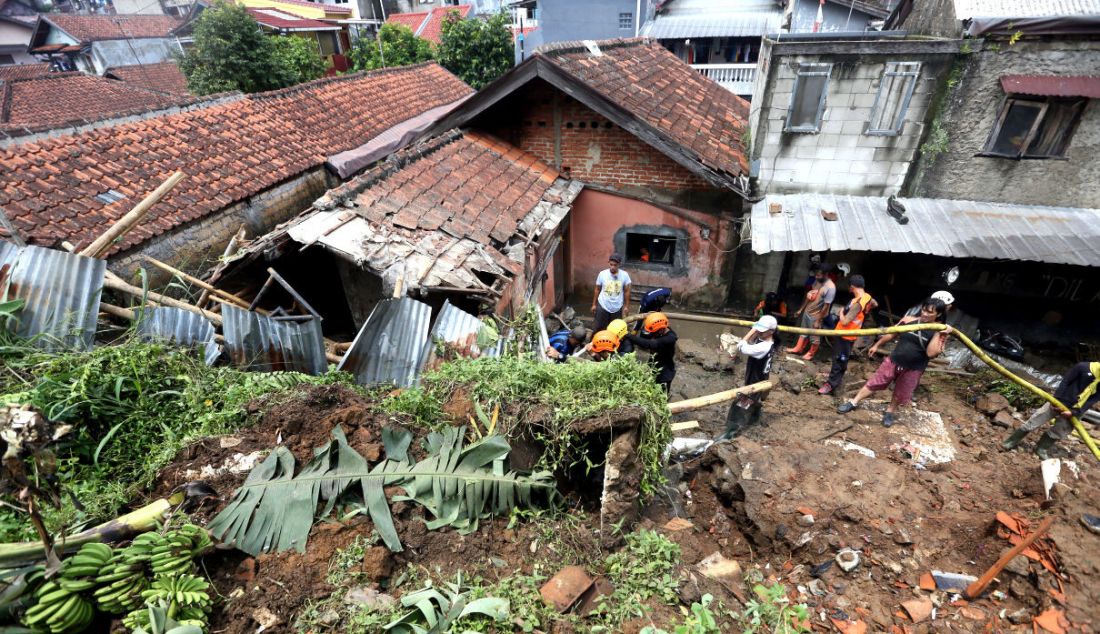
[
  {"x": 1035, "y": 128},
  {"x": 6, "y": 60},
  {"x": 645, "y": 247}
]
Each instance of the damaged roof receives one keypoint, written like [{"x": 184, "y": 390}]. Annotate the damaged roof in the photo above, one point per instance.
[
  {"x": 644, "y": 89},
  {"x": 231, "y": 147},
  {"x": 437, "y": 214},
  {"x": 950, "y": 228},
  {"x": 164, "y": 77},
  {"x": 59, "y": 99}
]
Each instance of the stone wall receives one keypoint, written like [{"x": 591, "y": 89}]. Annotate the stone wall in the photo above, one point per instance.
[
  {"x": 194, "y": 246},
  {"x": 974, "y": 109},
  {"x": 841, "y": 157}
]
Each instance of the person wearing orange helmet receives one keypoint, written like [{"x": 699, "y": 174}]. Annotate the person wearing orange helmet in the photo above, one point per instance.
[
  {"x": 604, "y": 344},
  {"x": 660, "y": 340}
]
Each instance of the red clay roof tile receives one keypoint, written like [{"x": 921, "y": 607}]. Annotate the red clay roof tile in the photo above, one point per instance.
[
  {"x": 23, "y": 71},
  {"x": 58, "y": 99},
  {"x": 259, "y": 140},
  {"x": 644, "y": 78},
  {"x": 433, "y": 28},
  {"x": 413, "y": 20},
  {"x": 163, "y": 77},
  {"x": 93, "y": 28}
]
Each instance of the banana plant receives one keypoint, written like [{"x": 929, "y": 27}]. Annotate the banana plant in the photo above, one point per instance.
[
  {"x": 434, "y": 610},
  {"x": 458, "y": 485}
]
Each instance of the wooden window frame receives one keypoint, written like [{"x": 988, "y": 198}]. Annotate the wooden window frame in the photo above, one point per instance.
[{"x": 1044, "y": 104}]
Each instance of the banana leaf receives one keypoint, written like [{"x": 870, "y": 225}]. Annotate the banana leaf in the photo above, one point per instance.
[
  {"x": 274, "y": 509},
  {"x": 435, "y": 610}
]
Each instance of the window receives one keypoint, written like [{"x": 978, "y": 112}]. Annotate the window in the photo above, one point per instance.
[
  {"x": 626, "y": 20},
  {"x": 808, "y": 99},
  {"x": 645, "y": 247},
  {"x": 894, "y": 92},
  {"x": 6, "y": 60},
  {"x": 1035, "y": 127}
]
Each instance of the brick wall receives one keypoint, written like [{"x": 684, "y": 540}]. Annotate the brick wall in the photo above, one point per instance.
[
  {"x": 193, "y": 247},
  {"x": 591, "y": 148}
]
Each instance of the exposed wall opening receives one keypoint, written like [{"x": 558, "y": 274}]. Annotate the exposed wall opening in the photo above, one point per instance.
[
  {"x": 808, "y": 99},
  {"x": 1035, "y": 127},
  {"x": 650, "y": 248}
]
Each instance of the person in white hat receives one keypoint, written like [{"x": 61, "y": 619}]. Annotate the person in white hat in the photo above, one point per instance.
[{"x": 759, "y": 345}]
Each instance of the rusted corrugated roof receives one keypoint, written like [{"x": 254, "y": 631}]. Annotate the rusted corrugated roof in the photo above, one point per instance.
[
  {"x": 180, "y": 327},
  {"x": 1052, "y": 85},
  {"x": 61, "y": 293},
  {"x": 391, "y": 346},
  {"x": 259, "y": 342}
]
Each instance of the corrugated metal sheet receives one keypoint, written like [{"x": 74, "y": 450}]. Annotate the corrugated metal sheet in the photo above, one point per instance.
[
  {"x": 951, "y": 228},
  {"x": 741, "y": 24},
  {"x": 1050, "y": 85},
  {"x": 390, "y": 347},
  {"x": 258, "y": 342},
  {"x": 714, "y": 18},
  {"x": 966, "y": 9},
  {"x": 61, "y": 292},
  {"x": 458, "y": 327},
  {"x": 180, "y": 327}
]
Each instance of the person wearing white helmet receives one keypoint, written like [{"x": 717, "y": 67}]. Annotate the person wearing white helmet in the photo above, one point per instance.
[
  {"x": 913, "y": 313},
  {"x": 759, "y": 345}
]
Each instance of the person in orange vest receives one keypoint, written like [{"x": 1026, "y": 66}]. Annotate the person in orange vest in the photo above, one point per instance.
[{"x": 851, "y": 318}]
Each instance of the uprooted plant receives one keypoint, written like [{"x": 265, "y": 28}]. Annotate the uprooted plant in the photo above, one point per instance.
[
  {"x": 436, "y": 608},
  {"x": 549, "y": 398},
  {"x": 456, "y": 485}
]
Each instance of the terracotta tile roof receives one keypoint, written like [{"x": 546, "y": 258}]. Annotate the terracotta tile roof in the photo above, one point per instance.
[
  {"x": 23, "y": 71},
  {"x": 433, "y": 28},
  {"x": 467, "y": 185},
  {"x": 163, "y": 77},
  {"x": 412, "y": 20},
  {"x": 230, "y": 149},
  {"x": 647, "y": 80},
  {"x": 276, "y": 19},
  {"x": 59, "y": 99},
  {"x": 93, "y": 28}
]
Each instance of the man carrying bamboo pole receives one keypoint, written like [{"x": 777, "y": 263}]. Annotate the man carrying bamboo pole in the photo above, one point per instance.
[
  {"x": 1078, "y": 391},
  {"x": 759, "y": 345}
]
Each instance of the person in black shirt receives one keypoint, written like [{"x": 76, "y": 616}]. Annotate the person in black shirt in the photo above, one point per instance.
[
  {"x": 759, "y": 345},
  {"x": 660, "y": 340},
  {"x": 906, "y": 363},
  {"x": 1078, "y": 391}
]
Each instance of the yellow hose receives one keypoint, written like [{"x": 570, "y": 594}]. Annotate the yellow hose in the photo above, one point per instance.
[{"x": 864, "y": 332}]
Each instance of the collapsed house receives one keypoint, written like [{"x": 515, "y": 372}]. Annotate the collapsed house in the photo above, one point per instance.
[{"x": 249, "y": 160}]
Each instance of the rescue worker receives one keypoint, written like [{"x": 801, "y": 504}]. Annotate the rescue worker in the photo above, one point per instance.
[
  {"x": 759, "y": 345},
  {"x": 814, "y": 310},
  {"x": 565, "y": 342},
  {"x": 612, "y": 293},
  {"x": 619, "y": 328},
  {"x": 603, "y": 345},
  {"x": 771, "y": 305},
  {"x": 655, "y": 299},
  {"x": 660, "y": 340},
  {"x": 1078, "y": 391},
  {"x": 851, "y": 318}
]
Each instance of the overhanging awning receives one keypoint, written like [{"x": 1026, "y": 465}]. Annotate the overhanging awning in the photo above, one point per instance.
[
  {"x": 732, "y": 24},
  {"x": 1052, "y": 86},
  {"x": 949, "y": 228}
]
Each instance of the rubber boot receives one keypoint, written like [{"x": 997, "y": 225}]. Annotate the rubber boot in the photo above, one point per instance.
[
  {"x": 1014, "y": 440},
  {"x": 811, "y": 352},
  {"x": 799, "y": 346},
  {"x": 1043, "y": 447}
]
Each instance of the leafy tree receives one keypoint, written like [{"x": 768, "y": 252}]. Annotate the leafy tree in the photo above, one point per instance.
[
  {"x": 477, "y": 51},
  {"x": 399, "y": 47},
  {"x": 299, "y": 57},
  {"x": 231, "y": 52}
]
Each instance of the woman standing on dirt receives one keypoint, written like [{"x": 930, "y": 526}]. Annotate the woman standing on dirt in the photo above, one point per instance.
[{"x": 907, "y": 362}]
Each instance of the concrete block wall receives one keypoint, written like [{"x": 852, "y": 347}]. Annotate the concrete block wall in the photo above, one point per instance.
[
  {"x": 840, "y": 158},
  {"x": 577, "y": 140},
  {"x": 194, "y": 247}
]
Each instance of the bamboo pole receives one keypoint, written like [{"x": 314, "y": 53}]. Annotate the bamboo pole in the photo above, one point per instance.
[
  {"x": 230, "y": 249},
  {"x": 862, "y": 332},
  {"x": 209, "y": 288},
  {"x": 720, "y": 397},
  {"x": 123, "y": 225},
  {"x": 976, "y": 588},
  {"x": 116, "y": 283}
]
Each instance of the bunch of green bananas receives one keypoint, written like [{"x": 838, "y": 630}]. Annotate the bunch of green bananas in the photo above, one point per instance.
[
  {"x": 184, "y": 594},
  {"x": 176, "y": 551},
  {"x": 61, "y": 605},
  {"x": 123, "y": 578}
]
